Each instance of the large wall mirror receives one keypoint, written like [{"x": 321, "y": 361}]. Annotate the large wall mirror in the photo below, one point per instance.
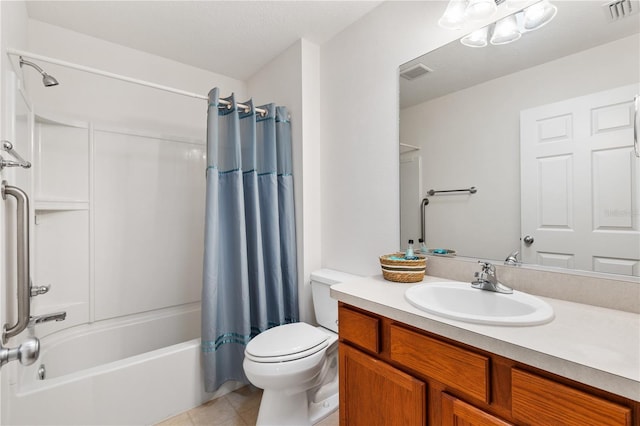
[{"x": 543, "y": 129}]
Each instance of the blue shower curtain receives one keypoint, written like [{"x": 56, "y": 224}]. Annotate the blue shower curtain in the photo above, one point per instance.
[{"x": 250, "y": 274}]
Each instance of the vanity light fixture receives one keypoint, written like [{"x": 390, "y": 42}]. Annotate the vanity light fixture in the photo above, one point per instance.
[
  {"x": 478, "y": 38},
  {"x": 504, "y": 31},
  {"x": 538, "y": 15},
  {"x": 480, "y": 9},
  {"x": 453, "y": 16},
  {"x": 458, "y": 12}
]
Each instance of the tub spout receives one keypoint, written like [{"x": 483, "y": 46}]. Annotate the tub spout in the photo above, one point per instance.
[{"x": 56, "y": 316}]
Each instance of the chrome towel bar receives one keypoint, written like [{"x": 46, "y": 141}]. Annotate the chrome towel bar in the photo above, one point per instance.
[{"x": 471, "y": 190}]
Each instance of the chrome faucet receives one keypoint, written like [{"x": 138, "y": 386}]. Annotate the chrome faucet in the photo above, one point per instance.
[
  {"x": 487, "y": 280},
  {"x": 512, "y": 259},
  {"x": 56, "y": 316}
]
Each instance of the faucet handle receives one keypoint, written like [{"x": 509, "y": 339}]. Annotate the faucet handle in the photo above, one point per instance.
[
  {"x": 38, "y": 290},
  {"x": 487, "y": 267}
]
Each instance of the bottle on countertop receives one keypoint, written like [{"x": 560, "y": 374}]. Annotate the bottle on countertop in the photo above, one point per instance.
[
  {"x": 409, "y": 254},
  {"x": 423, "y": 247}
]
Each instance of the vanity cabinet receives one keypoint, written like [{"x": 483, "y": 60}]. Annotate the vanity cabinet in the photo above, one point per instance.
[
  {"x": 456, "y": 412},
  {"x": 394, "y": 374},
  {"x": 374, "y": 393},
  {"x": 539, "y": 400}
]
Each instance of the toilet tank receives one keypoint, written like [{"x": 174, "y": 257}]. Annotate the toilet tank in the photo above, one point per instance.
[{"x": 325, "y": 307}]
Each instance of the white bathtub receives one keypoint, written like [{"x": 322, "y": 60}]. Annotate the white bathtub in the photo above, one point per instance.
[{"x": 133, "y": 371}]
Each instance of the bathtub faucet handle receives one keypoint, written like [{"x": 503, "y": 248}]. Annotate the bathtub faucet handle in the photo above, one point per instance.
[{"x": 40, "y": 289}]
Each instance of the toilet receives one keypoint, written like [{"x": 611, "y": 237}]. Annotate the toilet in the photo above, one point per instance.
[{"x": 296, "y": 364}]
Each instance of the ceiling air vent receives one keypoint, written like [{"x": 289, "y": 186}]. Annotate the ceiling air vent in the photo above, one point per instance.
[
  {"x": 415, "y": 71},
  {"x": 619, "y": 9}
]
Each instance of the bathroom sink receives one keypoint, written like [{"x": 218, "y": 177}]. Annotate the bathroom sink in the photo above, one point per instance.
[{"x": 457, "y": 300}]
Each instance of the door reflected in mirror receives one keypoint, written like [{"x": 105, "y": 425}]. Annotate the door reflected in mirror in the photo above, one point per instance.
[{"x": 543, "y": 128}]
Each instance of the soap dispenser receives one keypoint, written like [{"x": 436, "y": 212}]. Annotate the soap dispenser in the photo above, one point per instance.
[
  {"x": 409, "y": 255},
  {"x": 423, "y": 246}
]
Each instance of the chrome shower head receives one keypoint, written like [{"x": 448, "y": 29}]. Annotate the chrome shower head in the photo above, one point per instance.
[{"x": 47, "y": 79}]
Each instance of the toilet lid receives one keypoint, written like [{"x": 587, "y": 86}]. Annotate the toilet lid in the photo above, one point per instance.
[{"x": 288, "y": 339}]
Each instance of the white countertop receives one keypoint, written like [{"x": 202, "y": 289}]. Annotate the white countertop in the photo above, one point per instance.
[{"x": 592, "y": 345}]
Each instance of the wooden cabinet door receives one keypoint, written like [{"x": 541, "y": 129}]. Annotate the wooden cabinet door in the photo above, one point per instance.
[
  {"x": 458, "y": 413},
  {"x": 372, "y": 393}
]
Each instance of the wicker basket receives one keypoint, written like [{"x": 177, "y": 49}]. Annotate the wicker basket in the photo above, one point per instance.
[{"x": 397, "y": 269}]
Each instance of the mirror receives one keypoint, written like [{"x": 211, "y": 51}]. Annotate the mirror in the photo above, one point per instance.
[{"x": 492, "y": 118}]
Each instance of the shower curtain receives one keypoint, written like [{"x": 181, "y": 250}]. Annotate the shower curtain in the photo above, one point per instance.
[{"x": 250, "y": 274}]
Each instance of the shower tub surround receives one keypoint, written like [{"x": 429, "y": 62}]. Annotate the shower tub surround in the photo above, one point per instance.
[
  {"x": 118, "y": 235},
  {"x": 138, "y": 370}
]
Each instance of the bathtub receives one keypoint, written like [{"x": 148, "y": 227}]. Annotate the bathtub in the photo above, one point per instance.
[{"x": 137, "y": 370}]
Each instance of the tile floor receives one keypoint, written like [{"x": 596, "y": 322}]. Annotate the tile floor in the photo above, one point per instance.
[{"x": 238, "y": 408}]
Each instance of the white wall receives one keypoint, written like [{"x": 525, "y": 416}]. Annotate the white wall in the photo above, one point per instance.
[
  {"x": 359, "y": 115},
  {"x": 472, "y": 138},
  {"x": 87, "y": 95},
  {"x": 291, "y": 80}
]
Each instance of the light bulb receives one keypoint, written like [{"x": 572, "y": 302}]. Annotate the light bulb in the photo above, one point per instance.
[
  {"x": 538, "y": 15},
  {"x": 453, "y": 16},
  {"x": 505, "y": 31},
  {"x": 516, "y": 4},
  {"x": 478, "y": 38},
  {"x": 480, "y": 9}
]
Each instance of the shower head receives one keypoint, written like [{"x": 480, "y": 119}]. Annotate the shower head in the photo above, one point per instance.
[{"x": 47, "y": 79}]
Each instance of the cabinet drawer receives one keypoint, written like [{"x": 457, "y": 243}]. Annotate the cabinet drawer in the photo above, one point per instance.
[
  {"x": 536, "y": 400},
  {"x": 458, "y": 368},
  {"x": 360, "y": 329}
]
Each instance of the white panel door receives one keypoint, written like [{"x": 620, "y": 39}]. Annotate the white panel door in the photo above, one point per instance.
[
  {"x": 580, "y": 183},
  {"x": 410, "y": 198}
]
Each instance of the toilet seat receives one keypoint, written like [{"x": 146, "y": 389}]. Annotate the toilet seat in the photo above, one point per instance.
[{"x": 286, "y": 343}]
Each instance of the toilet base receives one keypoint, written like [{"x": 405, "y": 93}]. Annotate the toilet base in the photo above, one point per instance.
[
  {"x": 282, "y": 409},
  {"x": 318, "y": 411}
]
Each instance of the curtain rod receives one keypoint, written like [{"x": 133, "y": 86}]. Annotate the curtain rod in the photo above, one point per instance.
[{"x": 15, "y": 52}]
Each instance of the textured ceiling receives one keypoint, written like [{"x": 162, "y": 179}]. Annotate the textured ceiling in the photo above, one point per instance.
[{"x": 233, "y": 38}]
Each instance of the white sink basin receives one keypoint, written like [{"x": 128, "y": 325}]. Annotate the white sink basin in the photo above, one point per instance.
[{"x": 457, "y": 300}]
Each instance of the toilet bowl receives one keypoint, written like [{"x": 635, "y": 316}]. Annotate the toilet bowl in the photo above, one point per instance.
[
  {"x": 289, "y": 379},
  {"x": 296, "y": 364}
]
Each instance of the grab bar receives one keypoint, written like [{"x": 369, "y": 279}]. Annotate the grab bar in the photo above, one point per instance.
[
  {"x": 22, "y": 243},
  {"x": 471, "y": 190},
  {"x": 423, "y": 203},
  {"x": 8, "y": 147}
]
